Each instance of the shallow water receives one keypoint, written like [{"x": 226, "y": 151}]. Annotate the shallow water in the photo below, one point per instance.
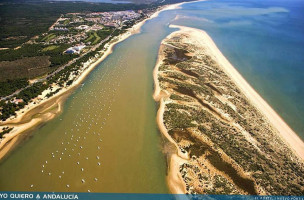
[
  {"x": 108, "y": 124},
  {"x": 106, "y": 139}
]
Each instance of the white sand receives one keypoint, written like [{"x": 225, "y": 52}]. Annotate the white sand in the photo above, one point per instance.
[
  {"x": 286, "y": 133},
  {"x": 174, "y": 179},
  {"x": 175, "y": 182}
]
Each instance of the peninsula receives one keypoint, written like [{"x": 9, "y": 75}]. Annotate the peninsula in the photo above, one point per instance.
[{"x": 228, "y": 139}]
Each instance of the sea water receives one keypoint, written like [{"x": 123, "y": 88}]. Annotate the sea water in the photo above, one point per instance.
[{"x": 264, "y": 41}]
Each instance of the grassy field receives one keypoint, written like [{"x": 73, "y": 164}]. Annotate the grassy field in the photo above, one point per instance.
[
  {"x": 50, "y": 48},
  {"x": 94, "y": 38},
  {"x": 48, "y": 37},
  {"x": 97, "y": 38},
  {"x": 90, "y": 38},
  {"x": 67, "y": 21}
]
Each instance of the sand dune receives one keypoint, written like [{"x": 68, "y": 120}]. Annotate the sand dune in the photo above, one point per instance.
[{"x": 286, "y": 133}]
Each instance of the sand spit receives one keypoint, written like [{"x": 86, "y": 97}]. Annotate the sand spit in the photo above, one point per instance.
[
  {"x": 287, "y": 134},
  {"x": 199, "y": 161}
]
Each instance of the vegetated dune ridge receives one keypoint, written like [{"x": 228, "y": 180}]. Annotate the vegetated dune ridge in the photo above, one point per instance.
[
  {"x": 43, "y": 109},
  {"x": 228, "y": 139}
]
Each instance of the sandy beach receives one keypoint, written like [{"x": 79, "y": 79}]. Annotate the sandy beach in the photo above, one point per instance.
[
  {"x": 174, "y": 179},
  {"x": 286, "y": 133},
  {"x": 24, "y": 121}
]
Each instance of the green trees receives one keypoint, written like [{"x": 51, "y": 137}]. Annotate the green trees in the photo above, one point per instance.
[
  {"x": 10, "y": 86},
  {"x": 8, "y": 109},
  {"x": 27, "y": 19}
]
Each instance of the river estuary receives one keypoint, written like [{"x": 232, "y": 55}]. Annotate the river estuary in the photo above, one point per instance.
[{"x": 106, "y": 139}]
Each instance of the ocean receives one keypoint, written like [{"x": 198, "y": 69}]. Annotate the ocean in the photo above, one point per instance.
[{"x": 264, "y": 40}]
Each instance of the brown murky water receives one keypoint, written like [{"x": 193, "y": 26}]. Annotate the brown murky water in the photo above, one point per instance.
[{"x": 106, "y": 139}]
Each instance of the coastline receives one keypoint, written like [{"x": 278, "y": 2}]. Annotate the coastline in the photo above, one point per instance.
[
  {"x": 175, "y": 182},
  {"x": 290, "y": 138},
  {"x": 21, "y": 125},
  {"x": 286, "y": 133}
]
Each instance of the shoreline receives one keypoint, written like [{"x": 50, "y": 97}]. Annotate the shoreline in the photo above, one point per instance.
[
  {"x": 288, "y": 136},
  {"x": 291, "y": 139},
  {"x": 174, "y": 180},
  {"x": 9, "y": 139}
]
